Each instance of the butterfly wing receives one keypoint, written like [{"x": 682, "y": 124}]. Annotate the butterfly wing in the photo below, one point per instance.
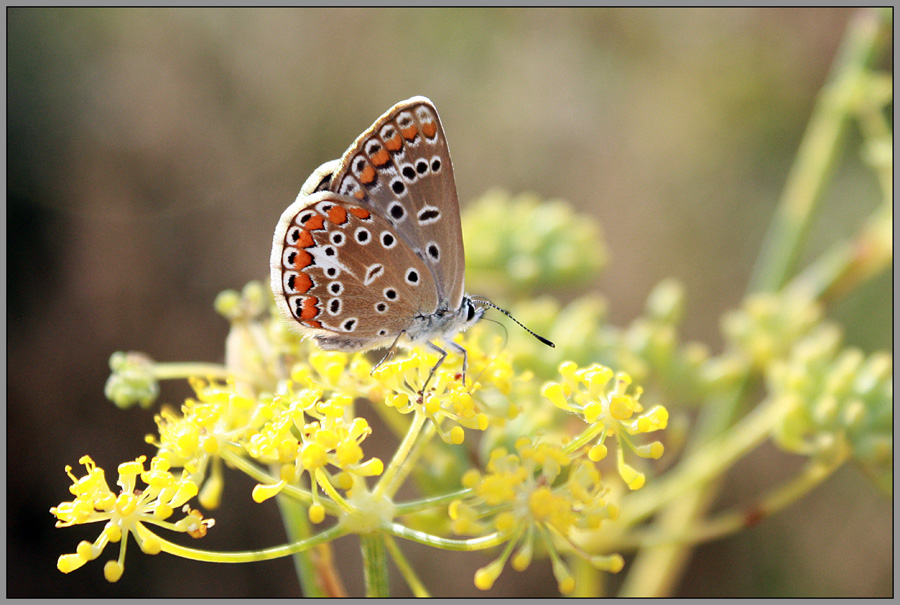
[
  {"x": 339, "y": 270},
  {"x": 400, "y": 168}
]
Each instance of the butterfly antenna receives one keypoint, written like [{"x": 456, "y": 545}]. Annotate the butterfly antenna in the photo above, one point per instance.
[{"x": 488, "y": 303}]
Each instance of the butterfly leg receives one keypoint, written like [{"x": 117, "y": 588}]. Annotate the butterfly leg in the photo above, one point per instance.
[
  {"x": 387, "y": 356},
  {"x": 465, "y": 356},
  {"x": 440, "y": 361},
  {"x": 443, "y": 355}
]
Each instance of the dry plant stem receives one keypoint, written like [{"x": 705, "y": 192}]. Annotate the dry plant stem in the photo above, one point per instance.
[
  {"x": 850, "y": 263},
  {"x": 656, "y": 570}
]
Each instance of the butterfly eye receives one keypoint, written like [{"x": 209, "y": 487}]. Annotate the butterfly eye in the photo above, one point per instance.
[{"x": 470, "y": 312}]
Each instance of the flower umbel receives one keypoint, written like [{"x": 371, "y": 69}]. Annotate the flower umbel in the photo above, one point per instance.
[
  {"x": 327, "y": 438},
  {"x": 538, "y": 493},
  {"x": 608, "y": 412},
  {"x": 129, "y": 512}
]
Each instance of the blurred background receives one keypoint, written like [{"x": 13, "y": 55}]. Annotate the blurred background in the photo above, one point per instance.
[{"x": 151, "y": 152}]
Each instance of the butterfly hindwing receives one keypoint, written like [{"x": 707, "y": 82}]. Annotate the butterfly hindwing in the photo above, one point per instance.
[{"x": 343, "y": 274}]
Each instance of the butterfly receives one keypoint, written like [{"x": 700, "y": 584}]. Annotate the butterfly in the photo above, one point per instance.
[{"x": 370, "y": 254}]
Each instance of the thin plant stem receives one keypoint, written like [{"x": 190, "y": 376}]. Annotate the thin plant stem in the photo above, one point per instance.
[
  {"x": 317, "y": 579},
  {"x": 406, "y": 570},
  {"x": 819, "y": 148},
  {"x": 731, "y": 522},
  {"x": 656, "y": 570},
  {"x": 375, "y": 571}
]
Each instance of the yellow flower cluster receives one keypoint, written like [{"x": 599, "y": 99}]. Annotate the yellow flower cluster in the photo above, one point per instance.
[
  {"x": 837, "y": 400},
  {"x": 608, "y": 412},
  {"x": 539, "y": 492},
  {"x": 129, "y": 512},
  {"x": 286, "y": 415},
  {"x": 326, "y": 438},
  {"x": 447, "y": 398}
]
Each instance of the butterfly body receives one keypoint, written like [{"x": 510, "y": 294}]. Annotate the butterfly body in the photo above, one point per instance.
[{"x": 371, "y": 254}]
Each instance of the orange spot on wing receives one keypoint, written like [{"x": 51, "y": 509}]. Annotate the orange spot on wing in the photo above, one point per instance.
[
  {"x": 302, "y": 260},
  {"x": 395, "y": 143},
  {"x": 337, "y": 215},
  {"x": 315, "y": 222},
  {"x": 309, "y": 309},
  {"x": 429, "y": 129},
  {"x": 359, "y": 194},
  {"x": 302, "y": 283},
  {"x": 306, "y": 239},
  {"x": 410, "y": 133},
  {"x": 312, "y": 323},
  {"x": 381, "y": 157},
  {"x": 368, "y": 175},
  {"x": 360, "y": 212}
]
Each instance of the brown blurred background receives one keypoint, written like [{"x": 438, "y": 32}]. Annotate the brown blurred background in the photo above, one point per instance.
[{"x": 151, "y": 151}]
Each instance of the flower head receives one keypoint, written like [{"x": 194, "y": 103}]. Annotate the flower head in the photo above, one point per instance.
[
  {"x": 129, "y": 512},
  {"x": 836, "y": 398},
  {"x": 539, "y": 492},
  {"x": 608, "y": 412},
  {"x": 309, "y": 435}
]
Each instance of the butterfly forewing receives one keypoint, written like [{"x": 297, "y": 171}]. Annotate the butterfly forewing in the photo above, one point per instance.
[
  {"x": 400, "y": 168},
  {"x": 340, "y": 270}
]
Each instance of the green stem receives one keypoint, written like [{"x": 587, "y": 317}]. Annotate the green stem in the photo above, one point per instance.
[
  {"x": 266, "y": 554},
  {"x": 406, "y": 570},
  {"x": 729, "y": 523},
  {"x": 388, "y": 484},
  {"x": 415, "y": 506},
  {"x": 703, "y": 465},
  {"x": 818, "y": 151},
  {"x": 656, "y": 570},
  {"x": 174, "y": 370},
  {"x": 296, "y": 525},
  {"x": 375, "y": 565},
  {"x": 479, "y": 543}
]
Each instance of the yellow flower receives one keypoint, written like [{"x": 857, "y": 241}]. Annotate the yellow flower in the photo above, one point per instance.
[
  {"x": 127, "y": 513},
  {"x": 308, "y": 435},
  {"x": 522, "y": 497},
  {"x": 609, "y": 410}
]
